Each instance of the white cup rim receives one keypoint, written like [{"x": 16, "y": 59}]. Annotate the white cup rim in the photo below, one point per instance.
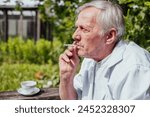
[{"x": 28, "y": 84}]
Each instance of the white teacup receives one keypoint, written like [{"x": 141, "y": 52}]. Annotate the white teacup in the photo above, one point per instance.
[{"x": 28, "y": 86}]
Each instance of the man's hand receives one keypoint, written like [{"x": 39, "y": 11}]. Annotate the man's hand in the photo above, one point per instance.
[{"x": 68, "y": 63}]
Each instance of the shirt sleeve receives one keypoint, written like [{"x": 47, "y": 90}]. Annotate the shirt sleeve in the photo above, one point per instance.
[
  {"x": 78, "y": 79},
  {"x": 78, "y": 85}
]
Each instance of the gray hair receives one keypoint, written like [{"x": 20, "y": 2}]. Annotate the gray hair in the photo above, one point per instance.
[{"x": 111, "y": 16}]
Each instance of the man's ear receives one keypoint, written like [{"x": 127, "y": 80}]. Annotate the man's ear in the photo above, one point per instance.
[{"x": 111, "y": 36}]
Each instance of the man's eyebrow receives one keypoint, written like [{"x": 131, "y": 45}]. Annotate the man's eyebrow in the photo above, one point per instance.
[
  {"x": 85, "y": 26},
  {"x": 88, "y": 26}
]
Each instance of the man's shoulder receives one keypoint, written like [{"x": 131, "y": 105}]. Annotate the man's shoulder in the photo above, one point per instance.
[
  {"x": 136, "y": 54},
  {"x": 136, "y": 48}
]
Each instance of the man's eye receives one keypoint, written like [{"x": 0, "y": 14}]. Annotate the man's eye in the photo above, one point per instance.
[
  {"x": 84, "y": 29},
  {"x": 81, "y": 27}
]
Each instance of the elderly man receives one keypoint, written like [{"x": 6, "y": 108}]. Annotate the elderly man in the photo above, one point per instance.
[{"x": 112, "y": 69}]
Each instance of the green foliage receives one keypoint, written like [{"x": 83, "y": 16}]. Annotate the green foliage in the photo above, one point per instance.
[
  {"x": 12, "y": 74},
  {"x": 21, "y": 60},
  {"x": 137, "y": 20},
  {"x": 17, "y": 50}
]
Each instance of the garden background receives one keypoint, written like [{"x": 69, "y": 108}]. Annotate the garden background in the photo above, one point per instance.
[{"x": 25, "y": 59}]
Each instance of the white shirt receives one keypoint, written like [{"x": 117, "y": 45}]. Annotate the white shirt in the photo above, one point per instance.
[{"x": 124, "y": 74}]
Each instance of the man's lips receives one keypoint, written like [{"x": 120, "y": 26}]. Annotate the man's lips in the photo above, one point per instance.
[{"x": 79, "y": 45}]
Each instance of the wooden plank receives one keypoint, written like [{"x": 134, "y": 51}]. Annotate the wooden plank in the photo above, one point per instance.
[{"x": 44, "y": 94}]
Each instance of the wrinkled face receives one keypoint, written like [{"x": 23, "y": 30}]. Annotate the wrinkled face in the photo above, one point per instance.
[{"x": 87, "y": 36}]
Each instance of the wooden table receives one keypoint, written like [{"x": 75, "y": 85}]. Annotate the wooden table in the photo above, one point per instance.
[{"x": 44, "y": 94}]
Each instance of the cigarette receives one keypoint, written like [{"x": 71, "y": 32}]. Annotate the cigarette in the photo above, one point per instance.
[{"x": 68, "y": 45}]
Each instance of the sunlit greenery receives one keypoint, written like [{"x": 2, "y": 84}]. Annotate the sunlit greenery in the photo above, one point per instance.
[
  {"x": 21, "y": 60},
  {"x": 137, "y": 17},
  {"x": 12, "y": 74}
]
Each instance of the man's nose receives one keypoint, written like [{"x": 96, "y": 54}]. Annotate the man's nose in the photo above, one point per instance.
[{"x": 76, "y": 36}]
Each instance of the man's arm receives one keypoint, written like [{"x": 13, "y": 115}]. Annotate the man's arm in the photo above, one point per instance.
[
  {"x": 68, "y": 63},
  {"x": 67, "y": 91}
]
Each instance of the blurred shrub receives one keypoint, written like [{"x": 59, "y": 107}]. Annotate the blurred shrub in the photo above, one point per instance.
[
  {"x": 21, "y": 60},
  {"x": 137, "y": 18},
  {"x": 17, "y": 50},
  {"x": 12, "y": 74}
]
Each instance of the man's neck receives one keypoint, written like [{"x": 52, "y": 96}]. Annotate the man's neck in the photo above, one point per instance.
[{"x": 106, "y": 52}]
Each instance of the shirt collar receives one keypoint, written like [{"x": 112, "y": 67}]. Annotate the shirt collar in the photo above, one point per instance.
[{"x": 116, "y": 56}]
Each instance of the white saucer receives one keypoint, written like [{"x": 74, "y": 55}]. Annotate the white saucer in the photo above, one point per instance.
[{"x": 28, "y": 93}]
